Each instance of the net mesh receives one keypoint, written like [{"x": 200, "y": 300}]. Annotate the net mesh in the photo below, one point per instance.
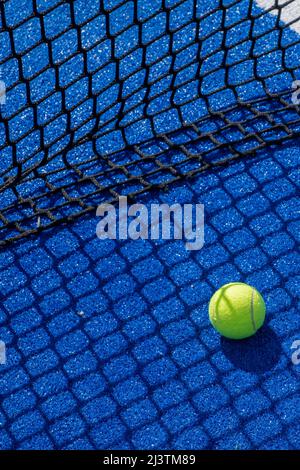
[{"x": 113, "y": 97}]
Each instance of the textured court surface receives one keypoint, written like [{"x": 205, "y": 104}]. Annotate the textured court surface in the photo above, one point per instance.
[
  {"x": 96, "y": 93},
  {"x": 143, "y": 368},
  {"x": 140, "y": 367}
]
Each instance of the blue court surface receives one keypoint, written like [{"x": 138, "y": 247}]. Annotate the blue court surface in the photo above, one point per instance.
[{"x": 108, "y": 343}]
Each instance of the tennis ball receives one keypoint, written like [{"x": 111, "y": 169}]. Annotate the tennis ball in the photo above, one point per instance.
[{"x": 237, "y": 310}]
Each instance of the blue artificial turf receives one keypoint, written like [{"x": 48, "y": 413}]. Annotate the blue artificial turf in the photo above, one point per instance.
[
  {"x": 109, "y": 345},
  {"x": 144, "y": 341}
]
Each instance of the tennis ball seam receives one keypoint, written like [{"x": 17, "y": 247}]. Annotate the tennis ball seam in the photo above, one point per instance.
[{"x": 252, "y": 310}]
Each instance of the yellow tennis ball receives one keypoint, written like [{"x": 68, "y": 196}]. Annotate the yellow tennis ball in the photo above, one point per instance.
[{"x": 237, "y": 310}]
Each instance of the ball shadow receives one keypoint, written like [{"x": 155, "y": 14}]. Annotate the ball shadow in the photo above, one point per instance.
[{"x": 257, "y": 354}]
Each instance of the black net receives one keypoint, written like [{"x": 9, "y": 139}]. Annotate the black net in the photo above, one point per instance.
[{"x": 112, "y": 97}]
